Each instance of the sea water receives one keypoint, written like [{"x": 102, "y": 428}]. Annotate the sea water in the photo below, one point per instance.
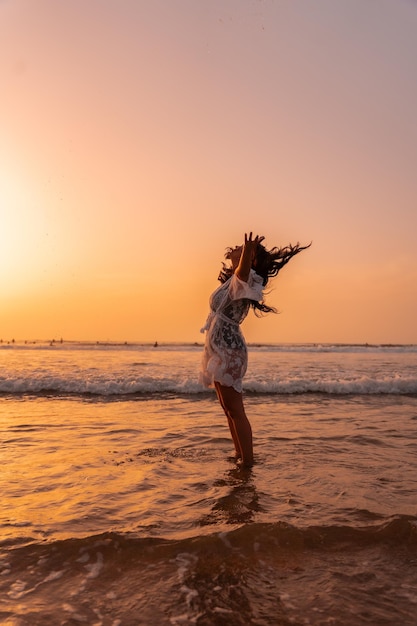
[{"x": 121, "y": 503}]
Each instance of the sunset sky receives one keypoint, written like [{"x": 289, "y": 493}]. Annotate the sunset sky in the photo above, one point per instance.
[{"x": 139, "y": 139}]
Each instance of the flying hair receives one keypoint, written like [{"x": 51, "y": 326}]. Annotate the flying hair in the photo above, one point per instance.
[{"x": 267, "y": 264}]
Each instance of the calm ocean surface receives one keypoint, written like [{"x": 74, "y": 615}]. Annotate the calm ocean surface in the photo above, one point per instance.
[{"x": 121, "y": 504}]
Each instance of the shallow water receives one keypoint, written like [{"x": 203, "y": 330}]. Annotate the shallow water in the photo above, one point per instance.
[{"x": 128, "y": 508}]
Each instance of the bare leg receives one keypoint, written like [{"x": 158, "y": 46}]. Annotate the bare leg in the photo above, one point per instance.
[
  {"x": 231, "y": 424},
  {"x": 240, "y": 428}
]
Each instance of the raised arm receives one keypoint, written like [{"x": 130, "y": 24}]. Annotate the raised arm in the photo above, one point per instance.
[{"x": 247, "y": 256}]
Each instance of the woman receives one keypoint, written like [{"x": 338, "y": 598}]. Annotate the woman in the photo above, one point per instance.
[{"x": 225, "y": 354}]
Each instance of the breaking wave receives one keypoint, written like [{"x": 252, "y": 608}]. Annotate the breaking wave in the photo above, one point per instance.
[{"x": 109, "y": 385}]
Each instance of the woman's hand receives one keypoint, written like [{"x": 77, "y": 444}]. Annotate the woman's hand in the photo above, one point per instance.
[
  {"x": 248, "y": 256},
  {"x": 252, "y": 244}
]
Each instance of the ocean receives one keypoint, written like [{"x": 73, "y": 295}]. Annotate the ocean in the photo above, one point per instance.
[{"x": 121, "y": 503}]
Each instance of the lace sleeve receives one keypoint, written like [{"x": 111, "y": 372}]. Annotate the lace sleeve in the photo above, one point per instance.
[{"x": 252, "y": 290}]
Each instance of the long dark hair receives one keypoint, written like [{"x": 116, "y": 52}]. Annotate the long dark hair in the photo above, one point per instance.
[{"x": 267, "y": 264}]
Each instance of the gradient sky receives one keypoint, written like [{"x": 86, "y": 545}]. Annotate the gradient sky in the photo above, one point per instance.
[{"x": 139, "y": 139}]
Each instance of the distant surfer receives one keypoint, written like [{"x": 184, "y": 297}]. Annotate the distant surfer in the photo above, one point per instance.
[{"x": 225, "y": 356}]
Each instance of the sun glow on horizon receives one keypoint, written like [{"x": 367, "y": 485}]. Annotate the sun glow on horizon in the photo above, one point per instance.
[{"x": 18, "y": 227}]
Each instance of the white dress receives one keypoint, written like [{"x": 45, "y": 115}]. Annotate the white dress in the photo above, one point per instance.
[{"x": 225, "y": 356}]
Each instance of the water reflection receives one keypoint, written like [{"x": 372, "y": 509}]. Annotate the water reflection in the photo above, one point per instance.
[{"x": 239, "y": 504}]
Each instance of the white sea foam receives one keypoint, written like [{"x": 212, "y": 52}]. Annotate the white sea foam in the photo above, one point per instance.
[
  {"x": 38, "y": 384},
  {"x": 94, "y": 569},
  {"x": 134, "y": 371}
]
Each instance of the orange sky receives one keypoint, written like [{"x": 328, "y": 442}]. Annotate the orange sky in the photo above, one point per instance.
[{"x": 139, "y": 139}]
